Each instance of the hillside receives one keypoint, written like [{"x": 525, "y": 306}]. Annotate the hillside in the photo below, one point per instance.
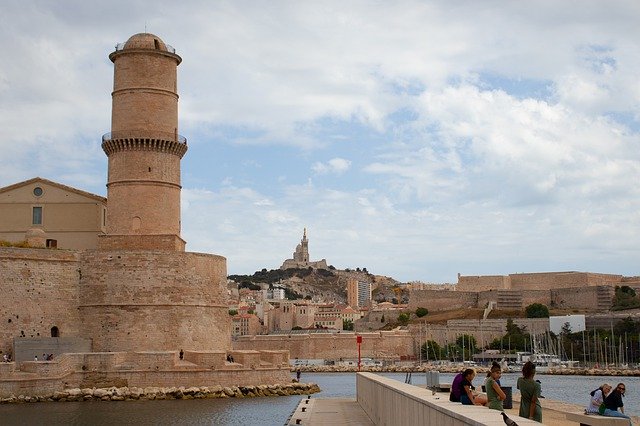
[{"x": 323, "y": 284}]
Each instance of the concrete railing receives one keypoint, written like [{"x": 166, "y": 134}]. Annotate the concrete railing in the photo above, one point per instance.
[{"x": 390, "y": 402}]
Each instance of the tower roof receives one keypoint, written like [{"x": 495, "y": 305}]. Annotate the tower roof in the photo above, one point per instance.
[{"x": 146, "y": 41}]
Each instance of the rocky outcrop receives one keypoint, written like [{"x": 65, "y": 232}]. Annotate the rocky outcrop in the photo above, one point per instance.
[{"x": 153, "y": 393}]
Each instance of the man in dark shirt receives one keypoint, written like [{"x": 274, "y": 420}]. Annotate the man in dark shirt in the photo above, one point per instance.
[{"x": 613, "y": 401}]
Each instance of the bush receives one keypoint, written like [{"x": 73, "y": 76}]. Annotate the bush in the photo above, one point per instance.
[
  {"x": 420, "y": 312},
  {"x": 403, "y": 319},
  {"x": 537, "y": 310}
]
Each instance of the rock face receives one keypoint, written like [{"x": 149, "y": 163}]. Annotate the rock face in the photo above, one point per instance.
[{"x": 151, "y": 393}]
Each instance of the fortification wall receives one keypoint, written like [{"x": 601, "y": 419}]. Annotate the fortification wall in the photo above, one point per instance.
[
  {"x": 384, "y": 344},
  {"x": 439, "y": 300},
  {"x": 553, "y": 280},
  {"x": 154, "y": 301},
  {"x": 482, "y": 282},
  {"x": 143, "y": 369},
  {"x": 537, "y": 296},
  {"x": 39, "y": 290},
  {"x": 575, "y": 298}
]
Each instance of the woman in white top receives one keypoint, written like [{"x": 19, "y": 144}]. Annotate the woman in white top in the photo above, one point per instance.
[{"x": 597, "y": 397}]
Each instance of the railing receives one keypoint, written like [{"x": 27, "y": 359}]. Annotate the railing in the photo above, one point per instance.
[
  {"x": 170, "y": 49},
  {"x": 143, "y": 134}
]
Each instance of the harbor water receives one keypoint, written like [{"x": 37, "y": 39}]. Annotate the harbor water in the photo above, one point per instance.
[{"x": 272, "y": 410}]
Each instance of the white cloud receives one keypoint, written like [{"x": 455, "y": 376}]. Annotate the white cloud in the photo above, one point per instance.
[
  {"x": 335, "y": 166},
  {"x": 468, "y": 136}
]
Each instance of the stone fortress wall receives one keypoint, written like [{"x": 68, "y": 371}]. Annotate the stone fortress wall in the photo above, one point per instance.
[
  {"x": 129, "y": 296},
  {"x": 39, "y": 291},
  {"x": 144, "y": 369},
  {"x": 333, "y": 346},
  {"x": 568, "y": 290}
]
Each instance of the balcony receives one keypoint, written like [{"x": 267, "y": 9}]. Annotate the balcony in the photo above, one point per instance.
[{"x": 144, "y": 134}]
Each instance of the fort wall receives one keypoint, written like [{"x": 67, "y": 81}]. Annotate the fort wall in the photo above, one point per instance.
[
  {"x": 39, "y": 291},
  {"x": 440, "y": 300},
  {"x": 379, "y": 345},
  {"x": 482, "y": 282},
  {"x": 133, "y": 300},
  {"x": 142, "y": 369}
]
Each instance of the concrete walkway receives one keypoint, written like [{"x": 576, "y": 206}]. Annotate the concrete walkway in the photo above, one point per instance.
[{"x": 330, "y": 412}]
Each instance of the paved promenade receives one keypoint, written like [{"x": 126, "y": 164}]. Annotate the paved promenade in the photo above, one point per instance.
[
  {"x": 330, "y": 412},
  {"x": 347, "y": 411}
]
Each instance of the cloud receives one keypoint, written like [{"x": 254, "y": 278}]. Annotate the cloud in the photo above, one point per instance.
[
  {"x": 467, "y": 136},
  {"x": 335, "y": 166}
]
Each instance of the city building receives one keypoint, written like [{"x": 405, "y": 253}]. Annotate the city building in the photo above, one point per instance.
[
  {"x": 245, "y": 325},
  {"x": 358, "y": 293},
  {"x": 51, "y": 214}
]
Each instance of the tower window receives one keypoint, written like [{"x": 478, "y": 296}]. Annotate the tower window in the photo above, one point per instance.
[
  {"x": 156, "y": 44},
  {"x": 37, "y": 216},
  {"x": 55, "y": 332}
]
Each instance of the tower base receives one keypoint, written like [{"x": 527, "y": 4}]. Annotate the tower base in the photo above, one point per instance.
[{"x": 165, "y": 242}]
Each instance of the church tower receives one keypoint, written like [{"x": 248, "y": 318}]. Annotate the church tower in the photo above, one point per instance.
[{"x": 144, "y": 148}]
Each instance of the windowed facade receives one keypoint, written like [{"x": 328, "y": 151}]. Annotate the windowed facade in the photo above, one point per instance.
[{"x": 36, "y": 216}]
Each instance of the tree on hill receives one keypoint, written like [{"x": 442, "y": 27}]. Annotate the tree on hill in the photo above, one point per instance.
[
  {"x": 347, "y": 324},
  {"x": 403, "y": 318},
  {"x": 537, "y": 310},
  {"x": 420, "y": 312},
  {"x": 625, "y": 298}
]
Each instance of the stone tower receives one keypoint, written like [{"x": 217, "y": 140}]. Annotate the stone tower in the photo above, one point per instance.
[
  {"x": 141, "y": 291},
  {"x": 144, "y": 148}
]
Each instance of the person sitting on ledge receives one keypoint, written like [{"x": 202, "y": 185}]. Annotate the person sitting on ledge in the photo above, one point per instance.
[
  {"x": 467, "y": 396},
  {"x": 454, "y": 394},
  {"x": 613, "y": 401},
  {"x": 597, "y": 398},
  {"x": 530, "y": 390},
  {"x": 495, "y": 394}
]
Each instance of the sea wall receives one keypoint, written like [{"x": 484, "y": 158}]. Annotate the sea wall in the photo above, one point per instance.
[
  {"x": 143, "y": 369},
  {"x": 379, "y": 345}
]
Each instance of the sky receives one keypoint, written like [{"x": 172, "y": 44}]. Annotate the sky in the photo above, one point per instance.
[{"x": 417, "y": 139}]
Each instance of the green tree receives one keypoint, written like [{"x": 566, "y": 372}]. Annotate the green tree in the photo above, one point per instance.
[
  {"x": 625, "y": 298},
  {"x": 233, "y": 312},
  {"x": 537, "y": 310},
  {"x": 420, "y": 312},
  {"x": 347, "y": 324},
  {"x": 403, "y": 318},
  {"x": 431, "y": 350},
  {"x": 627, "y": 325}
]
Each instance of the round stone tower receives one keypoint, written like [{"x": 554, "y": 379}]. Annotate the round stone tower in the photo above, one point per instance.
[
  {"x": 144, "y": 148},
  {"x": 141, "y": 291}
]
